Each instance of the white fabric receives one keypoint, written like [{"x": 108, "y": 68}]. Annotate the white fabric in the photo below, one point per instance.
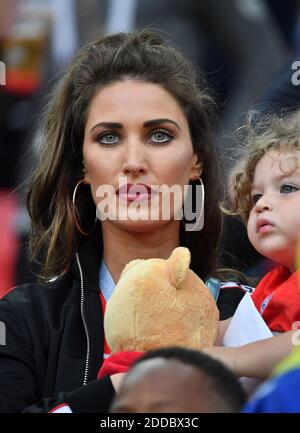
[
  {"x": 246, "y": 326},
  {"x": 62, "y": 409}
]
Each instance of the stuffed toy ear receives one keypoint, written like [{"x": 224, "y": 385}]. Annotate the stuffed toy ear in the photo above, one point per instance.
[{"x": 178, "y": 264}]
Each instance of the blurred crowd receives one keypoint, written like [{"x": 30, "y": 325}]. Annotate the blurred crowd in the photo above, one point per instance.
[{"x": 245, "y": 49}]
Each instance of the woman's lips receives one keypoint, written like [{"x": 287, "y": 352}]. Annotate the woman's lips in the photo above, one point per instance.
[{"x": 137, "y": 192}]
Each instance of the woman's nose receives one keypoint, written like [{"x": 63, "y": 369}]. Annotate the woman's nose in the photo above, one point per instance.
[{"x": 134, "y": 159}]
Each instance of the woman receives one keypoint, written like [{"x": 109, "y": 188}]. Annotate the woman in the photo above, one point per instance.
[{"x": 129, "y": 107}]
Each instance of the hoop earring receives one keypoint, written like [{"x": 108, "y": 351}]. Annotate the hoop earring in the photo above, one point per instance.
[
  {"x": 199, "y": 223},
  {"x": 75, "y": 212}
]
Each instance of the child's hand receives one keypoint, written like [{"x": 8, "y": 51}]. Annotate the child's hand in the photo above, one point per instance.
[{"x": 227, "y": 355}]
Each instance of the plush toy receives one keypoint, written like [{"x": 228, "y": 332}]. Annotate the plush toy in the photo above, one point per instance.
[{"x": 158, "y": 303}]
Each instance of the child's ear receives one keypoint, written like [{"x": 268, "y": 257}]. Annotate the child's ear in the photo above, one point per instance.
[{"x": 196, "y": 170}]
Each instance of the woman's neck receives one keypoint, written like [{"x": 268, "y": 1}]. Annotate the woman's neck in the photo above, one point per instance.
[{"x": 120, "y": 246}]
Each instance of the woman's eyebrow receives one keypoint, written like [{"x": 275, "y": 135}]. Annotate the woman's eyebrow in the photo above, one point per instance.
[
  {"x": 156, "y": 122},
  {"x": 112, "y": 125},
  {"x": 147, "y": 124}
]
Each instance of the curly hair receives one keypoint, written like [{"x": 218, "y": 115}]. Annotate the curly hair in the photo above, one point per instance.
[{"x": 258, "y": 138}]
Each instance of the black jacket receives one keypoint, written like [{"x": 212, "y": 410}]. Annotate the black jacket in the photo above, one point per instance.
[{"x": 54, "y": 341}]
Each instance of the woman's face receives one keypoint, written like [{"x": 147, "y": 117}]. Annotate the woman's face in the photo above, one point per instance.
[{"x": 137, "y": 139}]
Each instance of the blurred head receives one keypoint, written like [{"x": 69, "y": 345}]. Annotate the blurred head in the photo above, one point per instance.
[
  {"x": 266, "y": 190},
  {"x": 178, "y": 380},
  {"x": 131, "y": 105},
  {"x": 8, "y": 16}
]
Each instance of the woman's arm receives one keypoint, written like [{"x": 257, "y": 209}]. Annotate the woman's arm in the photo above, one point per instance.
[
  {"x": 255, "y": 359},
  {"x": 21, "y": 375},
  {"x": 18, "y": 383}
]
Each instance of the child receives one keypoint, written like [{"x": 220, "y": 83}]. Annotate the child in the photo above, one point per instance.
[
  {"x": 267, "y": 197},
  {"x": 266, "y": 194}
]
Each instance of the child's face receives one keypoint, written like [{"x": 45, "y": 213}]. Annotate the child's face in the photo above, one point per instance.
[{"x": 274, "y": 220}]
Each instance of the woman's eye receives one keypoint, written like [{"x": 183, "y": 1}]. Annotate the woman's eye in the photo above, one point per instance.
[
  {"x": 255, "y": 198},
  {"x": 286, "y": 189},
  {"x": 161, "y": 136},
  {"x": 108, "y": 138}
]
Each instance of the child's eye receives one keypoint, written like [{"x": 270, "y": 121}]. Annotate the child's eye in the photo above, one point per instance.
[
  {"x": 255, "y": 198},
  {"x": 160, "y": 136},
  {"x": 108, "y": 137},
  {"x": 287, "y": 189}
]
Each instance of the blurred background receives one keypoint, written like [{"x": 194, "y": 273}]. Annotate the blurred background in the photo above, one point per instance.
[{"x": 245, "y": 48}]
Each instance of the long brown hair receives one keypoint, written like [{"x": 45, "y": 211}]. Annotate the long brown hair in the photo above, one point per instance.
[{"x": 137, "y": 55}]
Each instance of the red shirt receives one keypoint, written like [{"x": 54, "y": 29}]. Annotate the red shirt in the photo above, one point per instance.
[
  {"x": 107, "y": 351},
  {"x": 277, "y": 299}
]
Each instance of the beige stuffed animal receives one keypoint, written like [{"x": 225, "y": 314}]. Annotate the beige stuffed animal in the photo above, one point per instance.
[{"x": 159, "y": 303}]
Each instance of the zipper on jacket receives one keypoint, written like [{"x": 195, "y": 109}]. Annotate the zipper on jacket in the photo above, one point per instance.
[{"x": 82, "y": 302}]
